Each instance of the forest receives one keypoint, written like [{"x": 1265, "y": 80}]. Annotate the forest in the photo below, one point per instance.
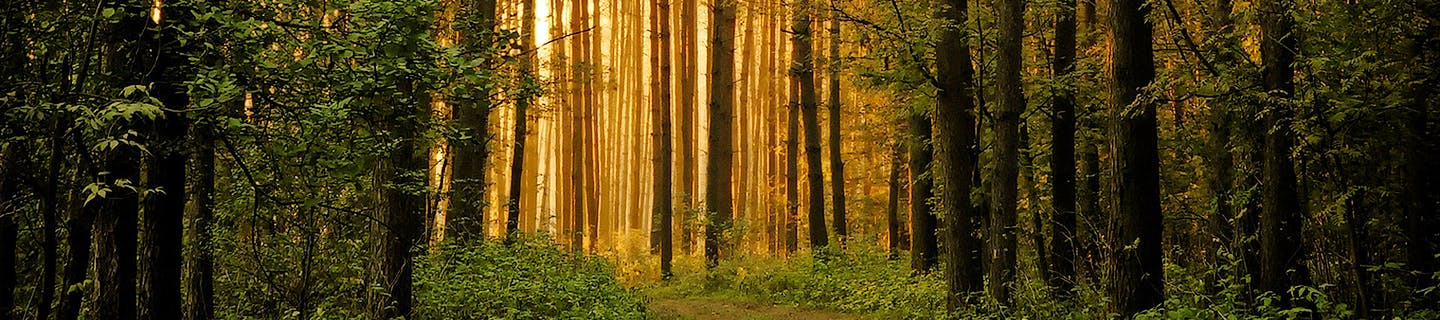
[{"x": 719, "y": 159}]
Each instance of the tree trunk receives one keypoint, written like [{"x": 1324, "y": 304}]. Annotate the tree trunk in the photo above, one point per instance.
[
  {"x": 687, "y": 108},
  {"x": 1282, "y": 259},
  {"x": 1062, "y": 157},
  {"x": 466, "y": 217},
  {"x": 955, "y": 144},
  {"x": 10, "y": 171},
  {"x": 722, "y": 103},
  {"x": 165, "y": 211},
  {"x": 1420, "y": 191},
  {"x": 1138, "y": 280},
  {"x": 398, "y": 212},
  {"x": 116, "y": 227},
  {"x": 82, "y": 216},
  {"x": 804, "y": 72},
  {"x": 924, "y": 249},
  {"x": 837, "y": 164},
  {"x": 663, "y": 207},
  {"x": 199, "y": 263},
  {"x": 792, "y": 169},
  {"x": 892, "y": 207},
  {"x": 1007, "y": 148},
  {"x": 517, "y": 164}
]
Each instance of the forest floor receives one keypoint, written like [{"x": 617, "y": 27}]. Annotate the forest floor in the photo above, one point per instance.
[{"x": 695, "y": 308}]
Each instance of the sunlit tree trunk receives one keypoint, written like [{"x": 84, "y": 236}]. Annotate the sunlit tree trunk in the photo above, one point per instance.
[
  {"x": 1011, "y": 103},
  {"x": 686, "y": 105},
  {"x": 663, "y": 187},
  {"x": 517, "y": 162},
  {"x": 722, "y": 105},
  {"x": 804, "y": 71},
  {"x": 837, "y": 164},
  {"x": 1137, "y": 283},
  {"x": 792, "y": 169}
]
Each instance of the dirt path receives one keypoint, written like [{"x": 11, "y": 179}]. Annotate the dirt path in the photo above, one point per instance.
[{"x": 714, "y": 309}]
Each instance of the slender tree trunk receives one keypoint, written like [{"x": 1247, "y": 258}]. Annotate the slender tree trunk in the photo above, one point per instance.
[
  {"x": 1138, "y": 281},
  {"x": 165, "y": 211},
  {"x": 199, "y": 263},
  {"x": 82, "y": 217},
  {"x": 517, "y": 164},
  {"x": 687, "y": 108},
  {"x": 804, "y": 72},
  {"x": 955, "y": 146},
  {"x": 1062, "y": 157},
  {"x": 892, "y": 205},
  {"x": 1282, "y": 259},
  {"x": 1421, "y": 191},
  {"x": 792, "y": 169},
  {"x": 116, "y": 227},
  {"x": 837, "y": 164},
  {"x": 466, "y": 219},
  {"x": 924, "y": 249},
  {"x": 663, "y": 187},
  {"x": 722, "y": 103}
]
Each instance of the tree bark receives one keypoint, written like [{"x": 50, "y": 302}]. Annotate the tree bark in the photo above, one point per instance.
[
  {"x": 1062, "y": 157},
  {"x": 792, "y": 169},
  {"x": 165, "y": 211},
  {"x": 517, "y": 163},
  {"x": 199, "y": 263},
  {"x": 466, "y": 218},
  {"x": 892, "y": 206},
  {"x": 804, "y": 72},
  {"x": 956, "y": 142},
  {"x": 1011, "y": 103},
  {"x": 10, "y": 178},
  {"x": 663, "y": 188},
  {"x": 1420, "y": 191},
  {"x": 924, "y": 249},
  {"x": 1282, "y": 259},
  {"x": 722, "y": 104},
  {"x": 1138, "y": 280},
  {"x": 837, "y": 163}
]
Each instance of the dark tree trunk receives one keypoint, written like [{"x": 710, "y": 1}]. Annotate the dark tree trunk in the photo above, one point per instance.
[
  {"x": 10, "y": 171},
  {"x": 1011, "y": 103},
  {"x": 81, "y": 218},
  {"x": 517, "y": 165},
  {"x": 1138, "y": 281},
  {"x": 722, "y": 105},
  {"x": 199, "y": 263},
  {"x": 686, "y": 106},
  {"x": 465, "y": 219},
  {"x": 804, "y": 72},
  {"x": 892, "y": 205},
  {"x": 955, "y": 146},
  {"x": 1282, "y": 259},
  {"x": 1062, "y": 157},
  {"x": 1421, "y": 192},
  {"x": 165, "y": 211},
  {"x": 116, "y": 227},
  {"x": 663, "y": 188},
  {"x": 792, "y": 169},
  {"x": 924, "y": 246},
  {"x": 837, "y": 164}
]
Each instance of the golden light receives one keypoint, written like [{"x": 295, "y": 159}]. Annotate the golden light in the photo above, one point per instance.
[{"x": 155, "y": 11}]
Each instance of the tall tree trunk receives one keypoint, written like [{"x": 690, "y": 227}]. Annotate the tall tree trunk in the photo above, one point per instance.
[
  {"x": 1062, "y": 157},
  {"x": 892, "y": 203},
  {"x": 956, "y": 142},
  {"x": 517, "y": 162},
  {"x": 81, "y": 218},
  {"x": 1421, "y": 191},
  {"x": 722, "y": 103},
  {"x": 10, "y": 171},
  {"x": 199, "y": 263},
  {"x": 837, "y": 164},
  {"x": 687, "y": 107},
  {"x": 924, "y": 249},
  {"x": 466, "y": 217},
  {"x": 1282, "y": 259},
  {"x": 663, "y": 188},
  {"x": 804, "y": 72},
  {"x": 398, "y": 212},
  {"x": 1007, "y": 148},
  {"x": 792, "y": 169},
  {"x": 116, "y": 227},
  {"x": 165, "y": 211},
  {"x": 1138, "y": 280}
]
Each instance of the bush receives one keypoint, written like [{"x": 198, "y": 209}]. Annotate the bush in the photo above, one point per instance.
[{"x": 531, "y": 279}]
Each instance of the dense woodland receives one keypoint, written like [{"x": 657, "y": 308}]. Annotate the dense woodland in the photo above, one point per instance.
[{"x": 581, "y": 159}]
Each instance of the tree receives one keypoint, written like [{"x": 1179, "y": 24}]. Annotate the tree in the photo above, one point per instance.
[
  {"x": 1062, "y": 156},
  {"x": 1138, "y": 280},
  {"x": 924, "y": 249},
  {"x": 837, "y": 164},
  {"x": 803, "y": 71},
  {"x": 165, "y": 210},
  {"x": 517, "y": 164},
  {"x": 663, "y": 187},
  {"x": 892, "y": 204},
  {"x": 466, "y": 218},
  {"x": 722, "y": 105},
  {"x": 792, "y": 169},
  {"x": 1001, "y": 237},
  {"x": 1421, "y": 190},
  {"x": 199, "y": 262},
  {"x": 10, "y": 176},
  {"x": 686, "y": 106},
  {"x": 955, "y": 145},
  {"x": 1282, "y": 261}
]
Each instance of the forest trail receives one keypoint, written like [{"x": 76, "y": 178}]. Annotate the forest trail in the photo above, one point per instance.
[{"x": 691, "y": 308}]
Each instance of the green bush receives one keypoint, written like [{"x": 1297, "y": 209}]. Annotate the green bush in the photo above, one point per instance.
[{"x": 531, "y": 279}]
